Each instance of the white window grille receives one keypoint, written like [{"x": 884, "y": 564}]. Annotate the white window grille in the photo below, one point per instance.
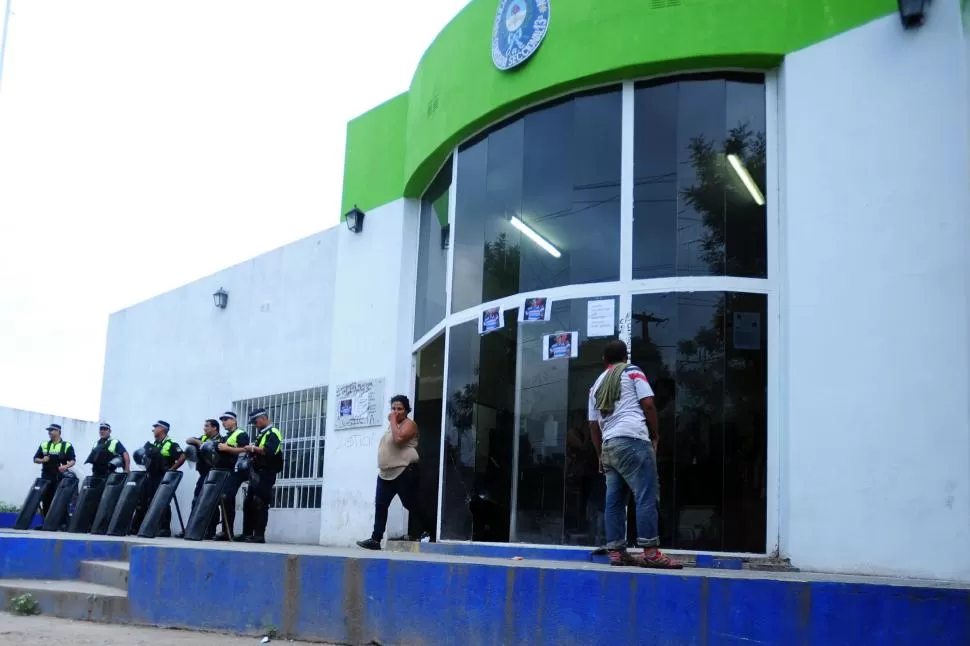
[{"x": 301, "y": 416}]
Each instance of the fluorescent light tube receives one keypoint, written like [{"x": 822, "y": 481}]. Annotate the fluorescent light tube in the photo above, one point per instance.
[
  {"x": 535, "y": 237},
  {"x": 745, "y": 176}
]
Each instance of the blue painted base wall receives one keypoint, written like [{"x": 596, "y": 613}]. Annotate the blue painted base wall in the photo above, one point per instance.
[
  {"x": 7, "y": 520},
  {"x": 396, "y": 601},
  {"x": 372, "y": 598}
]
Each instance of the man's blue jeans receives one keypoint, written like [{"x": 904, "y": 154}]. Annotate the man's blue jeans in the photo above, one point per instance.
[{"x": 630, "y": 465}]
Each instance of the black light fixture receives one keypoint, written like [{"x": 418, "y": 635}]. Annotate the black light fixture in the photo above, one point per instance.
[
  {"x": 221, "y": 298},
  {"x": 355, "y": 219},
  {"x": 912, "y": 13}
]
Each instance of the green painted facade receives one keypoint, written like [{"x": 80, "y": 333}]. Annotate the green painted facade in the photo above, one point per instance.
[{"x": 394, "y": 150}]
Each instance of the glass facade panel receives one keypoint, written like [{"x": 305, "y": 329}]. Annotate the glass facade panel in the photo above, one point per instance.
[
  {"x": 699, "y": 177},
  {"x": 705, "y": 354},
  {"x": 428, "y": 394},
  {"x": 429, "y": 305},
  {"x": 538, "y": 202},
  {"x": 537, "y": 208}
]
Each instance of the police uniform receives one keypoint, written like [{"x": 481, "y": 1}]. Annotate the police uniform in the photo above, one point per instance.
[
  {"x": 59, "y": 453},
  {"x": 164, "y": 454},
  {"x": 265, "y": 467},
  {"x": 238, "y": 438},
  {"x": 105, "y": 450}
]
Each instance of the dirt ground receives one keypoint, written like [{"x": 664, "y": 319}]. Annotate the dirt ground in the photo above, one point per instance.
[{"x": 47, "y": 631}]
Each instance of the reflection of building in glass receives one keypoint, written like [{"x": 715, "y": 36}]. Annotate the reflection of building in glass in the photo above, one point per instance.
[{"x": 727, "y": 215}]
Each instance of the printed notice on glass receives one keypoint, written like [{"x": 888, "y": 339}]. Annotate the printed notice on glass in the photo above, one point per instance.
[
  {"x": 561, "y": 345},
  {"x": 535, "y": 310},
  {"x": 747, "y": 331},
  {"x": 490, "y": 320},
  {"x": 600, "y": 317}
]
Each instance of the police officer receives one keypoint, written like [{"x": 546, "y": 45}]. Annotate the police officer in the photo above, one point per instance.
[
  {"x": 105, "y": 450},
  {"x": 55, "y": 457},
  {"x": 267, "y": 457},
  {"x": 229, "y": 451},
  {"x": 164, "y": 454},
  {"x": 210, "y": 431}
]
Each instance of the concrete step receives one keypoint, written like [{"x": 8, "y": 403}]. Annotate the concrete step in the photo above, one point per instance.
[
  {"x": 110, "y": 573},
  {"x": 77, "y": 600}
]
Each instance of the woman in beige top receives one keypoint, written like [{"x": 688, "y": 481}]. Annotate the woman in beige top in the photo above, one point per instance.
[{"x": 398, "y": 475}]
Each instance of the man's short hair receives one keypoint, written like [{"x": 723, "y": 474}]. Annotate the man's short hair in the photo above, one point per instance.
[
  {"x": 615, "y": 351},
  {"x": 213, "y": 423}
]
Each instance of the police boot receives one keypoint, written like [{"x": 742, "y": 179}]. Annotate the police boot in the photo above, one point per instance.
[
  {"x": 261, "y": 519},
  {"x": 249, "y": 517}
]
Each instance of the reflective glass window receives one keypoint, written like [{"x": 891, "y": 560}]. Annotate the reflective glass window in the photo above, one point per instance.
[
  {"x": 429, "y": 306},
  {"x": 538, "y": 201},
  {"x": 699, "y": 177}
]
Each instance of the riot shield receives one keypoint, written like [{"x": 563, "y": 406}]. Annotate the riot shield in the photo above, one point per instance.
[
  {"x": 109, "y": 500},
  {"x": 207, "y": 505},
  {"x": 57, "y": 515},
  {"x": 162, "y": 501},
  {"x": 127, "y": 502},
  {"x": 87, "y": 505},
  {"x": 31, "y": 503}
]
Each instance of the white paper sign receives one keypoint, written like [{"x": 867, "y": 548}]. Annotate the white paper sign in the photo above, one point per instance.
[
  {"x": 360, "y": 404},
  {"x": 600, "y": 317}
]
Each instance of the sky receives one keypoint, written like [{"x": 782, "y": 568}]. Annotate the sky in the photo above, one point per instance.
[{"x": 146, "y": 144}]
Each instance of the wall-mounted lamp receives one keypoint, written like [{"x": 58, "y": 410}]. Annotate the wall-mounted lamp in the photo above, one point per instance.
[
  {"x": 355, "y": 219},
  {"x": 221, "y": 298},
  {"x": 912, "y": 13}
]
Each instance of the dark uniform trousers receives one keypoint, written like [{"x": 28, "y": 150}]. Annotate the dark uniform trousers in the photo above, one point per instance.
[
  {"x": 259, "y": 499},
  {"x": 147, "y": 494},
  {"x": 229, "y": 501}
]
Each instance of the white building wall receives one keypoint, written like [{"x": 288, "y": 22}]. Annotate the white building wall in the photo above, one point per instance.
[
  {"x": 177, "y": 357},
  {"x": 21, "y": 432},
  {"x": 875, "y": 226},
  {"x": 373, "y": 316}
]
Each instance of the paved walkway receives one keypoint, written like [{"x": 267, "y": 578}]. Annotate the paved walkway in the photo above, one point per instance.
[{"x": 50, "y": 631}]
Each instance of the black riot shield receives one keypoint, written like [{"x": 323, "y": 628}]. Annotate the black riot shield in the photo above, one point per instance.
[
  {"x": 87, "y": 505},
  {"x": 31, "y": 503},
  {"x": 162, "y": 501},
  {"x": 109, "y": 500},
  {"x": 207, "y": 505},
  {"x": 127, "y": 502},
  {"x": 60, "y": 505}
]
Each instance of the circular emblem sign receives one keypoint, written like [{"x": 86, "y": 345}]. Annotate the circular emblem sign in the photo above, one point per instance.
[{"x": 520, "y": 26}]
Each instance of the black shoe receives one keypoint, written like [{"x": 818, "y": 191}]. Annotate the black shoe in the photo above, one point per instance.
[
  {"x": 165, "y": 533},
  {"x": 221, "y": 537},
  {"x": 254, "y": 539},
  {"x": 180, "y": 535},
  {"x": 370, "y": 544}
]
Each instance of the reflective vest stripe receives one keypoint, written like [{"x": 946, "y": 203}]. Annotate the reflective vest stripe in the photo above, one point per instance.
[
  {"x": 60, "y": 447},
  {"x": 233, "y": 440},
  {"x": 275, "y": 431}
]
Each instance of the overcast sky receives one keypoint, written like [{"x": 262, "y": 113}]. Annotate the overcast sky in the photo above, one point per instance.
[{"x": 144, "y": 144}]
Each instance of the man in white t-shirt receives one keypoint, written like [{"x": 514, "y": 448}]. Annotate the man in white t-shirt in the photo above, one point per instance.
[{"x": 624, "y": 428}]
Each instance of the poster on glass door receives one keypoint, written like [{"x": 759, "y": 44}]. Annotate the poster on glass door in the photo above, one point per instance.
[
  {"x": 535, "y": 310},
  {"x": 561, "y": 345},
  {"x": 490, "y": 320}
]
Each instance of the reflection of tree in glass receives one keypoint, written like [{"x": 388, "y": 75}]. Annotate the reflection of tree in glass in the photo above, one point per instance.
[
  {"x": 501, "y": 265},
  {"x": 461, "y": 414},
  {"x": 720, "y": 197}
]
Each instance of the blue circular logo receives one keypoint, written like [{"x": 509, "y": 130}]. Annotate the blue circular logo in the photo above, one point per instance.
[{"x": 520, "y": 26}]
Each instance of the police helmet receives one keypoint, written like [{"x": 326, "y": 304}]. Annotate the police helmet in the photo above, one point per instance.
[
  {"x": 191, "y": 452},
  {"x": 209, "y": 453},
  {"x": 140, "y": 456},
  {"x": 116, "y": 462}
]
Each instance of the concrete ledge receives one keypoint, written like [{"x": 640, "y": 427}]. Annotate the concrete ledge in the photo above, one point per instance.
[
  {"x": 70, "y": 599},
  {"x": 109, "y": 573},
  {"x": 54, "y": 556},
  {"x": 357, "y": 598}
]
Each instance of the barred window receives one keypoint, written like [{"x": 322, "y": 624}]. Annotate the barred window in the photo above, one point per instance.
[{"x": 301, "y": 417}]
